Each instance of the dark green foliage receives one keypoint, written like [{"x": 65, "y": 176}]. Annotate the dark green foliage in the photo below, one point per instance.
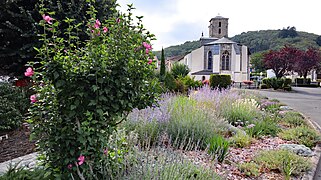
[
  {"x": 263, "y": 128},
  {"x": 318, "y": 40},
  {"x": 169, "y": 81},
  {"x": 180, "y": 70},
  {"x": 14, "y": 103},
  {"x": 162, "y": 67},
  {"x": 18, "y": 27},
  {"x": 263, "y": 40},
  {"x": 275, "y": 83},
  {"x": 220, "y": 81},
  {"x": 176, "y": 50},
  {"x": 218, "y": 147},
  {"x": 19, "y": 173},
  {"x": 289, "y": 32},
  {"x": 18, "y": 35},
  {"x": 264, "y": 86},
  {"x": 257, "y": 62},
  {"x": 190, "y": 83},
  {"x": 303, "y": 81}
]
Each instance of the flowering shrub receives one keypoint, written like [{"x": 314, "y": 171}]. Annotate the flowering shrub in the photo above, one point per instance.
[
  {"x": 242, "y": 110},
  {"x": 84, "y": 89}
]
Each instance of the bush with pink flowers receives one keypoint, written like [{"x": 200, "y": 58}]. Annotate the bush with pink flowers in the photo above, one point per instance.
[{"x": 84, "y": 89}]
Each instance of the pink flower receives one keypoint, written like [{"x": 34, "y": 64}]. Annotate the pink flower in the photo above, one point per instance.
[
  {"x": 105, "y": 29},
  {"x": 117, "y": 20},
  {"x": 48, "y": 19},
  {"x": 33, "y": 98},
  {"x": 147, "y": 51},
  {"x": 147, "y": 46},
  {"x": 97, "y": 24},
  {"x": 69, "y": 166},
  {"x": 150, "y": 61},
  {"x": 29, "y": 72},
  {"x": 106, "y": 151},
  {"x": 81, "y": 160},
  {"x": 251, "y": 125}
]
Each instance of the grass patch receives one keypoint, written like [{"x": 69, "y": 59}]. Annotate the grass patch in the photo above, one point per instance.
[
  {"x": 249, "y": 169},
  {"x": 240, "y": 139},
  {"x": 301, "y": 135},
  {"x": 284, "y": 161},
  {"x": 293, "y": 119}
]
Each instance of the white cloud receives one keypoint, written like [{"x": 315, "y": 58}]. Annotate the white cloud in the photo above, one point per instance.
[{"x": 164, "y": 18}]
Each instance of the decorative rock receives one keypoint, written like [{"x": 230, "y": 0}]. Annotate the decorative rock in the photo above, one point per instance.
[
  {"x": 284, "y": 108},
  {"x": 298, "y": 149}
]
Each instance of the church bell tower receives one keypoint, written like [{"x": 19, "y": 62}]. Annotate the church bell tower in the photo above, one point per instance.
[{"x": 218, "y": 27}]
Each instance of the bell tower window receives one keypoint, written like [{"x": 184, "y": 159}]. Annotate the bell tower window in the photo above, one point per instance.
[
  {"x": 219, "y": 24},
  {"x": 209, "y": 60}
]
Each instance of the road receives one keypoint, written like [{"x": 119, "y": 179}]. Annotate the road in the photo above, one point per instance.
[{"x": 304, "y": 100}]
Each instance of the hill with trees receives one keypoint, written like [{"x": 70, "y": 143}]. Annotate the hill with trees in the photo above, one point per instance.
[{"x": 258, "y": 41}]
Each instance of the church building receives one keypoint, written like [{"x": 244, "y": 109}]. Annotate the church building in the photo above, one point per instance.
[{"x": 218, "y": 54}]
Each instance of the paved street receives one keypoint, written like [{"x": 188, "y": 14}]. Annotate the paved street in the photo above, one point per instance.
[{"x": 304, "y": 100}]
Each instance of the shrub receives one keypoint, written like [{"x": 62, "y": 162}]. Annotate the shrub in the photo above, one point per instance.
[
  {"x": 83, "y": 93},
  {"x": 262, "y": 128},
  {"x": 301, "y": 135},
  {"x": 15, "y": 172},
  {"x": 180, "y": 70},
  {"x": 277, "y": 83},
  {"x": 190, "y": 83},
  {"x": 293, "y": 119},
  {"x": 218, "y": 147},
  {"x": 180, "y": 86},
  {"x": 270, "y": 106},
  {"x": 249, "y": 169},
  {"x": 10, "y": 117},
  {"x": 220, "y": 81},
  {"x": 169, "y": 81},
  {"x": 242, "y": 110},
  {"x": 14, "y": 102},
  {"x": 301, "y": 81},
  {"x": 264, "y": 86},
  {"x": 287, "y": 82},
  {"x": 283, "y": 160},
  {"x": 161, "y": 163},
  {"x": 241, "y": 139}
]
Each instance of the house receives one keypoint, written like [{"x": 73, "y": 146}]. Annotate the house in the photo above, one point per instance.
[{"x": 218, "y": 55}]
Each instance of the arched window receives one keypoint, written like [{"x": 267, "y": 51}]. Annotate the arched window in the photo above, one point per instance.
[
  {"x": 219, "y": 31},
  {"x": 226, "y": 60},
  {"x": 219, "y": 24},
  {"x": 209, "y": 60}
]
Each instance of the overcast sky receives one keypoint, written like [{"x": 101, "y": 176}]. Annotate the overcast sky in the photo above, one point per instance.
[{"x": 176, "y": 21}]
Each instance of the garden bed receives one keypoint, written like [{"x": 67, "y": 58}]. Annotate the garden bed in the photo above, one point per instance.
[{"x": 16, "y": 145}]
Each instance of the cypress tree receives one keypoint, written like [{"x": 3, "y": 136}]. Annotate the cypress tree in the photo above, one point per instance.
[{"x": 162, "y": 68}]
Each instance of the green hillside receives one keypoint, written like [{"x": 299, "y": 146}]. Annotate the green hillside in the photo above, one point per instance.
[{"x": 257, "y": 41}]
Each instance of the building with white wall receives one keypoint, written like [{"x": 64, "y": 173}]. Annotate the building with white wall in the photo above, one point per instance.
[{"x": 218, "y": 54}]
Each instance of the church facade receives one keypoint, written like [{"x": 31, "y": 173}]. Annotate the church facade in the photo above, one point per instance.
[{"x": 218, "y": 54}]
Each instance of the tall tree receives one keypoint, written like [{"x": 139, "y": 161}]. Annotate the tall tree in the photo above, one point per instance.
[
  {"x": 281, "y": 61},
  {"x": 162, "y": 68},
  {"x": 308, "y": 60},
  {"x": 257, "y": 62},
  {"x": 19, "y": 28}
]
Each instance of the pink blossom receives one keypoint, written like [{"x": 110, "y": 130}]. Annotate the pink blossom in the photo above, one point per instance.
[
  {"x": 106, "y": 151},
  {"x": 251, "y": 125},
  {"x": 97, "y": 24},
  {"x": 33, "y": 98},
  {"x": 147, "y": 46},
  {"x": 105, "y": 29},
  {"x": 81, "y": 160},
  {"x": 117, "y": 20},
  {"x": 147, "y": 51},
  {"x": 48, "y": 19},
  {"x": 69, "y": 166},
  {"x": 29, "y": 72},
  {"x": 150, "y": 61}
]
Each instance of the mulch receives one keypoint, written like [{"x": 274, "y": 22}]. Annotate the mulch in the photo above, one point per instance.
[{"x": 16, "y": 145}]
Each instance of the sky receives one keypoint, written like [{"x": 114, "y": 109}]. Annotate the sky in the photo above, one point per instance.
[{"x": 177, "y": 21}]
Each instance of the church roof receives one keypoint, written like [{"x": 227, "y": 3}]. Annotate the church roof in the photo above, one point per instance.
[
  {"x": 218, "y": 17},
  {"x": 223, "y": 40}
]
